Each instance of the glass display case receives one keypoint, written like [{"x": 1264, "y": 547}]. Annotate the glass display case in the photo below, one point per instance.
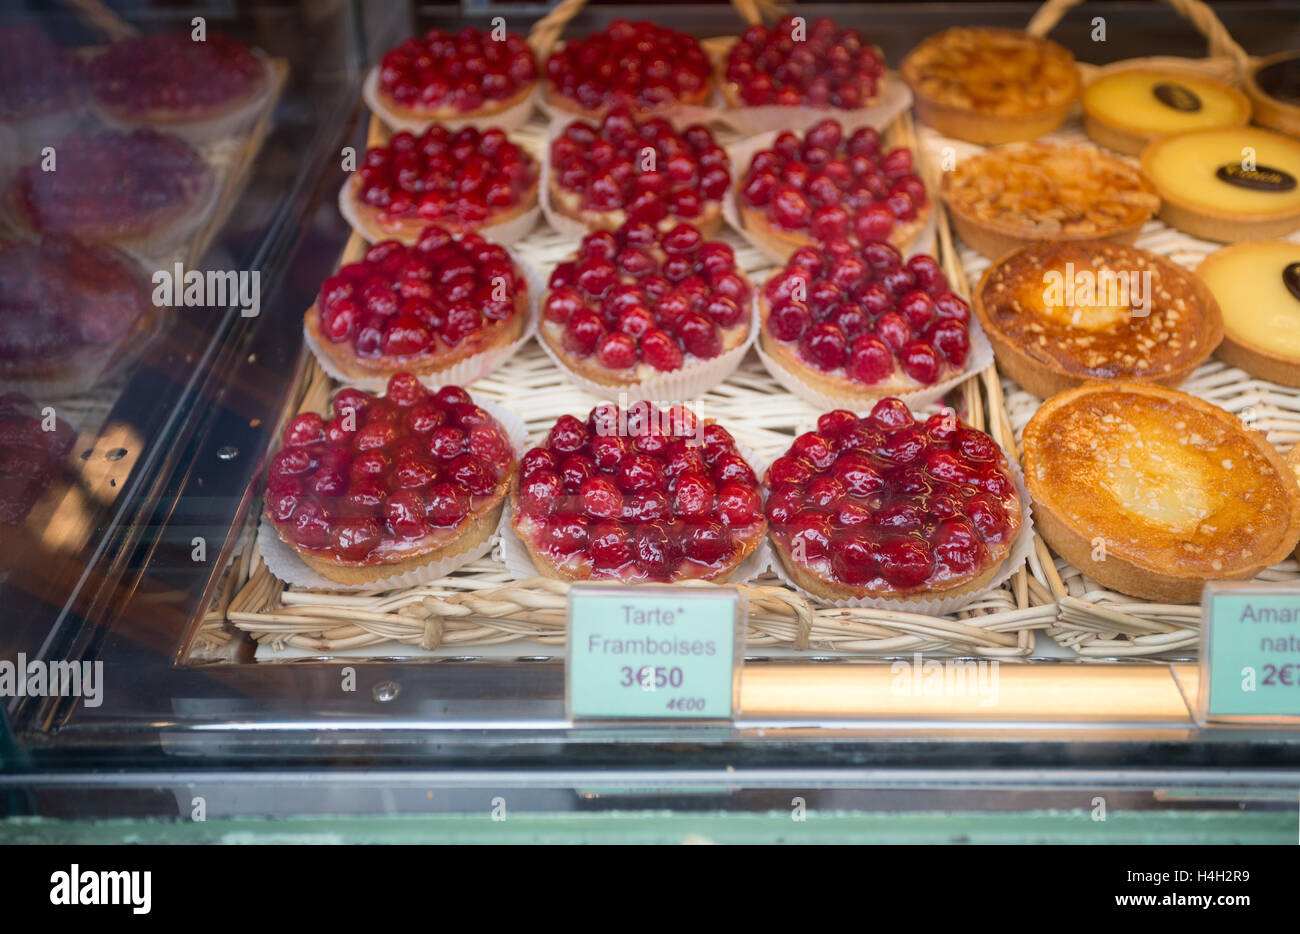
[{"x": 141, "y": 559}]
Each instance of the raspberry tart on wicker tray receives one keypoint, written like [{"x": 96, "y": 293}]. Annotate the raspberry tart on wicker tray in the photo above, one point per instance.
[
  {"x": 637, "y": 495},
  {"x": 884, "y": 506},
  {"x": 862, "y": 323},
  {"x": 389, "y": 485},
  {"x": 636, "y": 304},
  {"x": 421, "y": 309},
  {"x": 464, "y": 180},
  {"x": 829, "y": 186},
  {"x": 644, "y": 170}
]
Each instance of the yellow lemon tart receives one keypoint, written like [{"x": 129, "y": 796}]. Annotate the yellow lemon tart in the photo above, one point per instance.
[
  {"x": 1127, "y": 109},
  {"x": 1258, "y": 288}
]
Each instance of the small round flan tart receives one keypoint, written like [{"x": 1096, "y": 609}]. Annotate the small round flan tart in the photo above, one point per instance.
[
  {"x": 637, "y": 495},
  {"x": 1241, "y": 183},
  {"x": 635, "y": 304},
  {"x": 641, "y": 65},
  {"x": 1125, "y": 110},
  {"x": 829, "y": 186},
  {"x": 1258, "y": 288},
  {"x": 642, "y": 170},
  {"x": 1153, "y": 492},
  {"x": 388, "y": 485},
  {"x": 991, "y": 86},
  {"x": 1012, "y": 196},
  {"x": 466, "y": 180},
  {"x": 419, "y": 309},
  {"x": 1061, "y": 314},
  {"x": 799, "y": 64},
  {"x": 867, "y": 324},
  {"x": 886, "y": 506}
]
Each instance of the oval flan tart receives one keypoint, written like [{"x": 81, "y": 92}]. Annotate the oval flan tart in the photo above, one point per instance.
[
  {"x": 1060, "y": 314},
  {"x": 1153, "y": 492},
  {"x": 637, "y": 495},
  {"x": 388, "y": 485},
  {"x": 886, "y": 506},
  {"x": 1258, "y": 288},
  {"x": 1241, "y": 183},
  {"x": 1124, "y": 110}
]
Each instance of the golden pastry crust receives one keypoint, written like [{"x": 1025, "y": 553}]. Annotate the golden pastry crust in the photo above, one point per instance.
[
  {"x": 1153, "y": 492},
  {"x": 1050, "y": 348},
  {"x": 371, "y": 225},
  {"x": 1293, "y": 461},
  {"x": 569, "y": 204},
  {"x": 785, "y": 242}
]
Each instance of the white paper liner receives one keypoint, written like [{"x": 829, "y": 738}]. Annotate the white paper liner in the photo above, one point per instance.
[
  {"x": 283, "y": 562},
  {"x": 462, "y": 373},
  {"x": 742, "y": 153},
  {"x": 504, "y": 233},
  {"x": 519, "y": 563},
  {"x": 894, "y": 98},
  {"x": 512, "y": 118},
  {"x": 942, "y": 606},
  {"x": 979, "y": 357}
]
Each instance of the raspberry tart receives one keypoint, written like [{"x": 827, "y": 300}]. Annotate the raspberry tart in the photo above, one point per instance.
[
  {"x": 829, "y": 186},
  {"x": 636, "y": 304},
  {"x": 638, "y": 495},
  {"x": 135, "y": 188},
  {"x": 420, "y": 309},
  {"x": 861, "y": 323},
  {"x": 643, "y": 170},
  {"x": 201, "y": 90},
  {"x": 69, "y": 311},
  {"x": 830, "y": 67},
  {"x": 389, "y": 485},
  {"x": 886, "y": 506},
  {"x": 463, "y": 180},
  {"x": 43, "y": 88},
  {"x": 442, "y": 77},
  {"x": 29, "y": 455},
  {"x": 641, "y": 64}
]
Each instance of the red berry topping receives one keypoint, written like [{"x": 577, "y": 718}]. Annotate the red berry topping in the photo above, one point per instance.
[
  {"x": 794, "y": 63},
  {"x": 171, "y": 73},
  {"x": 458, "y": 72}
]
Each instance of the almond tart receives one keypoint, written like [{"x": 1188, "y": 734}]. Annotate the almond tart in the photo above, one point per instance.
[
  {"x": 1153, "y": 492},
  {"x": 635, "y": 303},
  {"x": 862, "y": 323},
  {"x": 1061, "y": 314},
  {"x": 637, "y": 495},
  {"x": 829, "y": 186},
  {"x": 419, "y": 309},
  {"x": 463, "y": 180},
  {"x": 1011, "y": 196},
  {"x": 644, "y": 170},
  {"x": 1126, "y": 109},
  {"x": 389, "y": 485},
  {"x": 885, "y": 506},
  {"x": 1258, "y": 288},
  {"x": 991, "y": 86}
]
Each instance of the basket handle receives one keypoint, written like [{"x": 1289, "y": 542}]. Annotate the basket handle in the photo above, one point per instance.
[
  {"x": 1201, "y": 16},
  {"x": 546, "y": 31}
]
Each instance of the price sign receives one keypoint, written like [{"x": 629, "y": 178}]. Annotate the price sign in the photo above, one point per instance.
[
  {"x": 654, "y": 652},
  {"x": 1250, "y": 653}
]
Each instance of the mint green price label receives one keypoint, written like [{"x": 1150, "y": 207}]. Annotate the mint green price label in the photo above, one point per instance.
[
  {"x": 1250, "y": 653},
  {"x": 654, "y": 652}
]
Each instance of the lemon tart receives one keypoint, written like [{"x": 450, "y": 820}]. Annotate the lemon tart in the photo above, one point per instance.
[
  {"x": 1060, "y": 314},
  {"x": 1228, "y": 184},
  {"x": 1152, "y": 492},
  {"x": 1127, "y": 109},
  {"x": 1258, "y": 288}
]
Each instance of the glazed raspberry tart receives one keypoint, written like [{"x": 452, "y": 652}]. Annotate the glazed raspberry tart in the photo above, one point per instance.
[
  {"x": 635, "y": 305},
  {"x": 43, "y": 88},
  {"x": 885, "y": 506},
  {"x": 136, "y": 189},
  {"x": 638, "y": 495},
  {"x": 463, "y": 180},
  {"x": 831, "y": 186},
  {"x": 641, "y": 64},
  {"x": 421, "y": 309},
  {"x": 69, "y": 313},
  {"x": 862, "y": 323},
  {"x": 389, "y": 485},
  {"x": 29, "y": 456},
  {"x": 641, "y": 170},
  {"x": 827, "y": 67},
  {"x": 200, "y": 90}
]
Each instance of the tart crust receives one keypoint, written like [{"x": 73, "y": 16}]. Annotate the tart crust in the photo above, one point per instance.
[
  {"x": 1124, "y": 136},
  {"x": 569, "y": 204},
  {"x": 368, "y": 222},
  {"x": 451, "y": 114},
  {"x": 1047, "y": 354},
  {"x": 785, "y": 242},
  {"x": 1217, "y": 500},
  {"x": 1240, "y": 351}
]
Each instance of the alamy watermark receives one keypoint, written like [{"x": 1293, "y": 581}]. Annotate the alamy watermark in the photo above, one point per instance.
[
  {"x": 36, "y": 678},
  {"x": 950, "y": 677},
  {"x": 677, "y": 419},
  {"x": 1086, "y": 288},
  {"x": 179, "y": 287}
]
